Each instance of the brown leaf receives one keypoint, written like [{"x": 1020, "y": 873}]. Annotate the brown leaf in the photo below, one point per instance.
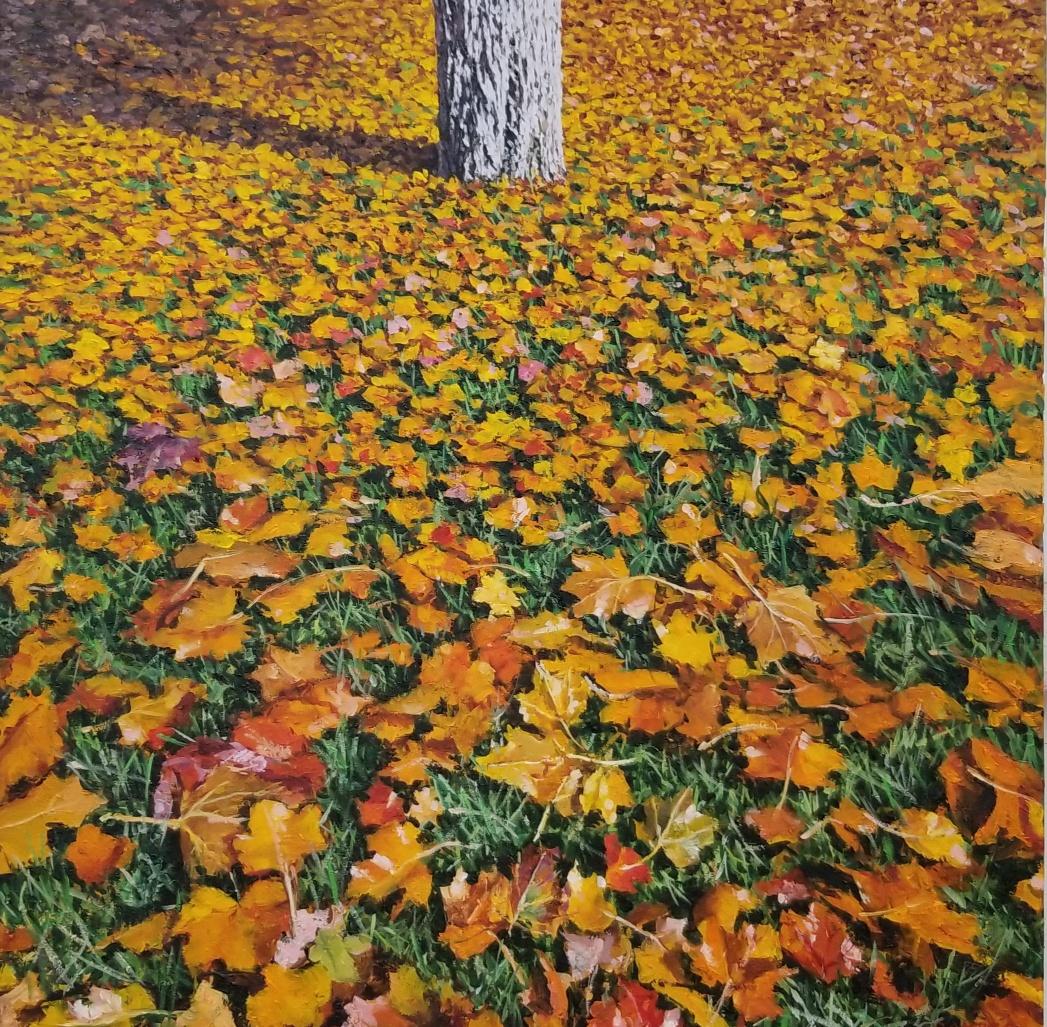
[
  {"x": 604, "y": 587},
  {"x": 784, "y": 621}
]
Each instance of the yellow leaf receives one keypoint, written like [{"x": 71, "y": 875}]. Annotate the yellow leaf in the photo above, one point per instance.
[
  {"x": 495, "y": 592},
  {"x": 278, "y": 837},
  {"x": 682, "y": 641},
  {"x": 677, "y": 828},
  {"x": 24, "y": 822},
  {"x": 407, "y": 992},
  {"x": 605, "y": 791},
  {"x": 398, "y": 863},
  {"x": 209, "y": 1008},
  {"x": 37, "y": 567},
  {"x": 588, "y": 907},
  {"x": 783, "y": 621},
  {"x": 30, "y": 742},
  {"x": 628, "y": 682},
  {"x": 290, "y": 998},
  {"x": 933, "y": 835}
]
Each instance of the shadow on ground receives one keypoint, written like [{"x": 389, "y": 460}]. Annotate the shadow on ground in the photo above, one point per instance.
[{"x": 68, "y": 59}]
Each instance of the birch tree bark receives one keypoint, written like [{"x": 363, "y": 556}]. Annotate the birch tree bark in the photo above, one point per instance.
[{"x": 501, "y": 89}]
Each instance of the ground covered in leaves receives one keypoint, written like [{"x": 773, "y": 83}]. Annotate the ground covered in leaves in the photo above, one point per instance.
[{"x": 613, "y": 603}]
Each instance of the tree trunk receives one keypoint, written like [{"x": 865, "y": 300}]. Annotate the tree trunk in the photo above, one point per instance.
[{"x": 500, "y": 86}]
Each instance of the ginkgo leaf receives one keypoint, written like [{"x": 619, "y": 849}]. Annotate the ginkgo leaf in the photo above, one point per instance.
[{"x": 24, "y": 822}]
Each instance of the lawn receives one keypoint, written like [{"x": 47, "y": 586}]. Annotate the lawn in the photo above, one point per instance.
[{"x": 613, "y": 602}]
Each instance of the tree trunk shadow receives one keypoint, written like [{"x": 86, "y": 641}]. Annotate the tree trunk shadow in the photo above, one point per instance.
[{"x": 67, "y": 59}]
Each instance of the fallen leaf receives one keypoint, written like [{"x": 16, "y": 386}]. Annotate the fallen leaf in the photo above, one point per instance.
[{"x": 24, "y": 821}]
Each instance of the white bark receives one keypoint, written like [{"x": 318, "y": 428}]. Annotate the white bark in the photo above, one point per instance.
[{"x": 501, "y": 90}]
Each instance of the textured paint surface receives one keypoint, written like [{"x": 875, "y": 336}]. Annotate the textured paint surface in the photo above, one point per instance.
[{"x": 609, "y": 602}]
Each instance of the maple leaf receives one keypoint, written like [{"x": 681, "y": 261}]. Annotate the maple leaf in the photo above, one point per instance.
[
  {"x": 150, "y": 720},
  {"x": 783, "y": 621},
  {"x": 633, "y": 1005},
  {"x": 678, "y": 828},
  {"x": 101, "y": 1008},
  {"x": 682, "y": 641},
  {"x": 819, "y": 942},
  {"x": 149, "y": 935},
  {"x": 208, "y": 1008},
  {"x": 932, "y": 835},
  {"x": 625, "y": 867},
  {"x": 278, "y": 837},
  {"x": 398, "y": 864},
  {"x": 537, "y": 765},
  {"x": 30, "y": 739},
  {"x": 546, "y": 997},
  {"x": 494, "y": 591},
  {"x": 534, "y": 895},
  {"x": 291, "y": 998},
  {"x": 994, "y": 796},
  {"x": 24, "y": 821},
  {"x": 237, "y": 563},
  {"x": 475, "y": 913},
  {"x": 884, "y": 987},
  {"x": 241, "y": 935},
  {"x": 1011, "y": 691},
  {"x": 1005, "y": 551},
  {"x": 154, "y": 447},
  {"x": 792, "y": 755},
  {"x": 95, "y": 855},
  {"x": 588, "y": 906},
  {"x": 905, "y": 894},
  {"x": 211, "y": 816},
  {"x": 558, "y": 698},
  {"x": 604, "y": 587},
  {"x": 192, "y": 620},
  {"x": 35, "y": 569},
  {"x": 775, "y": 825}
]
